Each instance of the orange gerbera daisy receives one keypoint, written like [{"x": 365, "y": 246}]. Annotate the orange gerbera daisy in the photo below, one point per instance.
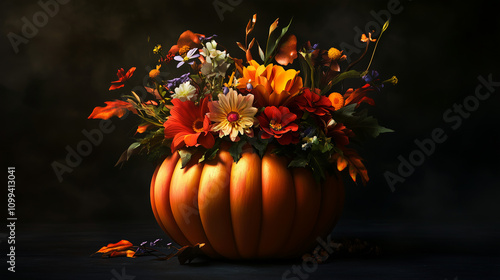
[
  {"x": 271, "y": 84},
  {"x": 233, "y": 114}
]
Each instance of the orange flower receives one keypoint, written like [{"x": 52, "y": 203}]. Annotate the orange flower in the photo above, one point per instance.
[
  {"x": 271, "y": 84},
  {"x": 337, "y": 100}
]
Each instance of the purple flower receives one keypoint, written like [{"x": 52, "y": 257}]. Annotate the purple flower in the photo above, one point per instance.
[
  {"x": 190, "y": 55},
  {"x": 203, "y": 39},
  {"x": 368, "y": 78},
  {"x": 372, "y": 79},
  {"x": 175, "y": 82}
]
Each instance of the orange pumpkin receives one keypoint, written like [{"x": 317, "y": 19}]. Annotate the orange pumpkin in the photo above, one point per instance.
[{"x": 253, "y": 209}]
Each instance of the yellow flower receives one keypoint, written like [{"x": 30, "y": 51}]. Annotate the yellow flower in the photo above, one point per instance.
[
  {"x": 157, "y": 49},
  {"x": 271, "y": 84},
  {"x": 155, "y": 72},
  {"x": 233, "y": 114},
  {"x": 334, "y": 54},
  {"x": 337, "y": 100}
]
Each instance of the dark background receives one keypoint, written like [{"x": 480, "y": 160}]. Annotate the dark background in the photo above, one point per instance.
[{"x": 437, "y": 50}]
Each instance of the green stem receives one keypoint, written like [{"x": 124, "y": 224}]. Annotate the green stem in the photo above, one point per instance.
[{"x": 384, "y": 28}]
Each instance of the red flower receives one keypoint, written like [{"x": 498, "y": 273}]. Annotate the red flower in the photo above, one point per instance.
[
  {"x": 279, "y": 123},
  {"x": 188, "y": 125},
  {"x": 314, "y": 103},
  {"x": 122, "y": 77}
]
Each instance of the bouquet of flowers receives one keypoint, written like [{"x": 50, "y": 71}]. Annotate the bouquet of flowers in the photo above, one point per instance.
[{"x": 260, "y": 102}]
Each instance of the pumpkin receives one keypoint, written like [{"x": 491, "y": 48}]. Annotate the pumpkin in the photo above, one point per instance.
[{"x": 254, "y": 209}]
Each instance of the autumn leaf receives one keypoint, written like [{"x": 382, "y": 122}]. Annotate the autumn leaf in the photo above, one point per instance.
[
  {"x": 142, "y": 128},
  {"x": 127, "y": 253},
  {"x": 119, "y": 249},
  {"x": 186, "y": 253},
  {"x": 122, "y": 77},
  {"x": 116, "y": 108},
  {"x": 189, "y": 253},
  {"x": 251, "y": 24},
  {"x": 349, "y": 157},
  {"x": 273, "y": 26}
]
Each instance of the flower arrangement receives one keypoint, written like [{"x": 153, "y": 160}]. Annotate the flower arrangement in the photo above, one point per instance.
[{"x": 219, "y": 99}]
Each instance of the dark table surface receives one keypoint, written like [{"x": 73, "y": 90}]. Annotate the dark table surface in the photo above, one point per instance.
[{"x": 409, "y": 251}]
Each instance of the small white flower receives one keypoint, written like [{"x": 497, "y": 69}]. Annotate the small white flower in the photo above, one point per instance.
[
  {"x": 184, "y": 92},
  {"x": 309, "y": 142},
  {"x": 211, "y": 53}
]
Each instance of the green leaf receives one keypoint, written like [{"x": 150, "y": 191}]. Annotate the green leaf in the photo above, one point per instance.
[
  {"x": 305, "y": 67},
  {"x": 236, "y": 149},
  {"x": 345, "y": 112},
  {"x": 261, "y": 53},
  {"x": 128, "y": 153},
  {"x": 271, "y": 53},
  {"x": 362, "y": 125},
  {"x": 196, "y": 78},
  {"x": 317, "y": 166},
  {"x": 342, "y": 76},
  {"x": 211, "y": 153},
  {"x": 259, "y": 144},
  {"x": 299, "y": 162},
  {"x": 185, "y": 157}
]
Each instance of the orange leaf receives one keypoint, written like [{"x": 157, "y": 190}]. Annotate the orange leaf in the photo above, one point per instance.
[
  {"x": 121, "y": 245},
  {"x": 142, "y": 128},
  {"x": 249, "y": 56},
  {"x": 341, "y": 163},
  {"x": 355, "y": 165},
  {"x": 113, "y": 108},
  {"x": 288, "y": 50},
  {"x": 251, "y": 24},
  {"x": 251, "y": 43},
  {"x": 240, "y": 45},
  {"x": 127, "y": 253},
  {"x": 273, "y": 26}
]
